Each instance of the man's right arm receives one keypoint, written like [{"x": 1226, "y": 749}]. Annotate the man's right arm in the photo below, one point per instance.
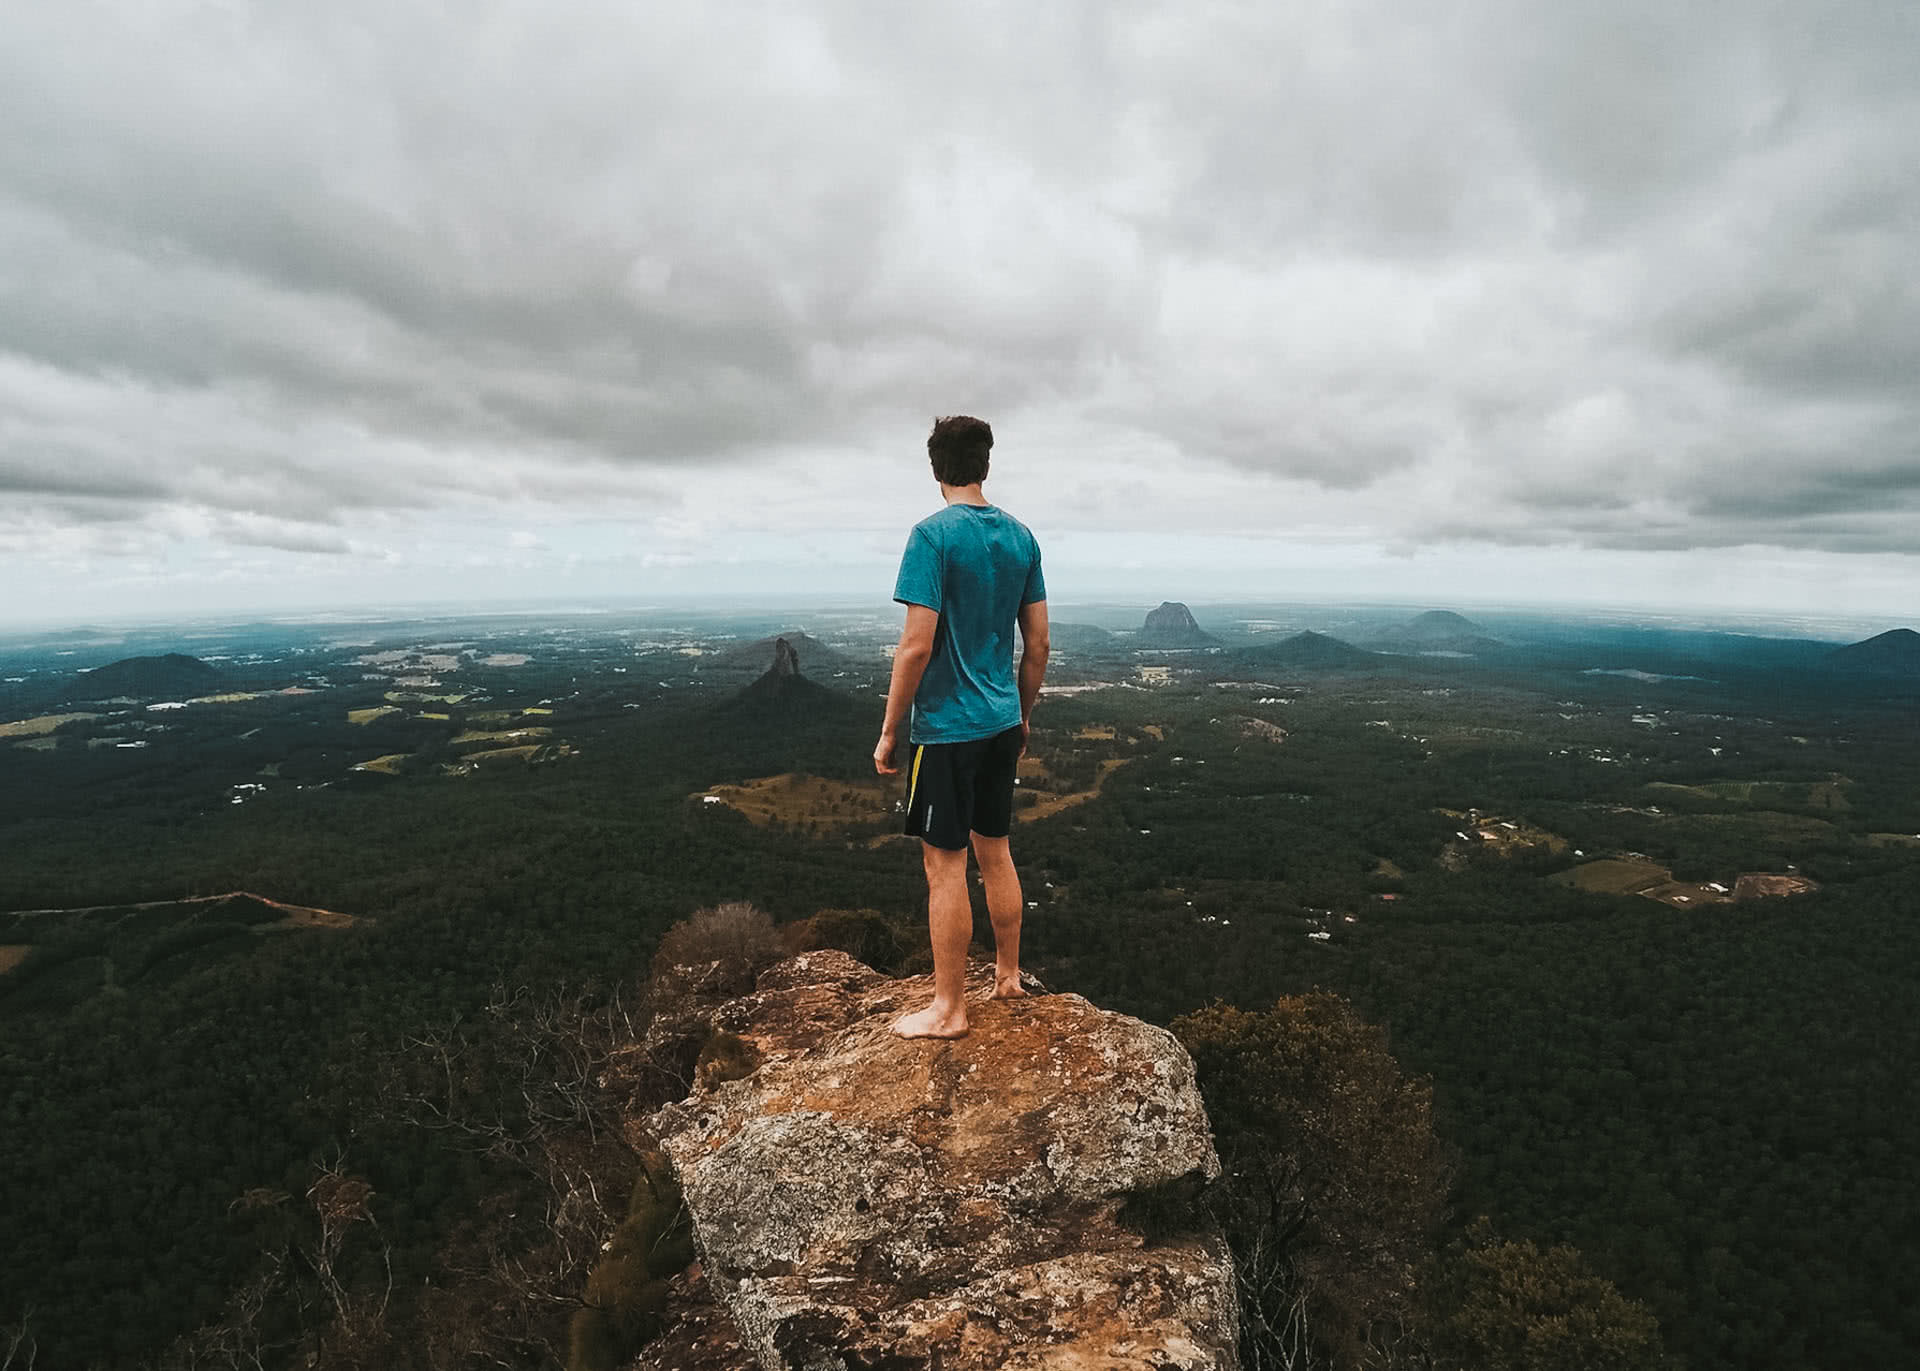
[
  {"x": 1033, "y": 661},
  {"x": 910, "y": 660}
]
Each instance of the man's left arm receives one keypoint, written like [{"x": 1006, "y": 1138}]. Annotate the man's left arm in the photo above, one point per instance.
[{"x": 910, "y": 660}]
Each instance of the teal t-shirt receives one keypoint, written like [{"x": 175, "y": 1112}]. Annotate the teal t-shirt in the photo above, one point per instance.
[{"x": 975, "y": 565}]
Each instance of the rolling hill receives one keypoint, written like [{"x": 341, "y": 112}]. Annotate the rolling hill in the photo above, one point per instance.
[
  {"x": 147, "y": 678},
  {"x": 1893, "y": 653},
  {"x": 1439, "y": 631},
  {"x": 1309, "y": 650}
]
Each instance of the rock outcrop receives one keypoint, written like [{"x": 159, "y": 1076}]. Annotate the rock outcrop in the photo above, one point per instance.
[
  {"x": 753, "y": 656},
  {"x": 785, "y": 690},
  {"x": 786, "y": 662},
  {"x": 1172, "y": 625},
  {"x": 1024, "y": 1197}
]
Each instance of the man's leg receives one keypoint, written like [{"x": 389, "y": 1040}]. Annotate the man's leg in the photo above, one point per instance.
[
  {"x": 950, "y": 924},
  {"x": 1004, "y": 906}
]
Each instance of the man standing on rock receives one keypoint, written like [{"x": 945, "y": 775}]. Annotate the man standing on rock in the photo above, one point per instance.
[{"x": 969, "y": 574}]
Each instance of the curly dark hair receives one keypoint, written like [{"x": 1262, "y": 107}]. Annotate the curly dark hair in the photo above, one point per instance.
[{"x": 960, "y": 448}]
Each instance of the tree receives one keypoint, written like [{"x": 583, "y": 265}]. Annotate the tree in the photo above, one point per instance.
[
  {"x": 1508, "y": 1306},
  {"x": 1333, "y": 1183}
]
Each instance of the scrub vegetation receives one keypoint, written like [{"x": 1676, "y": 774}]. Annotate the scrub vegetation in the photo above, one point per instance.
[{"x": 1689, "y": 1115}]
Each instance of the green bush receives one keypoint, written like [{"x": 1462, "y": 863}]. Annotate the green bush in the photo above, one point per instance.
[
  {"x": 866, "y": 935},
  {"x": 591, "y": 1344},
  {"x": 1334, "y": 1181},
  {"x": 1508, "y": 1306},
  {"x": 627, "y": 1289},
  {"x": 726, "y": 1057}
]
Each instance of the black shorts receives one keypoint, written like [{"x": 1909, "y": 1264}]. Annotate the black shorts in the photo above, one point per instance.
[{"x": 957, "y": 788}]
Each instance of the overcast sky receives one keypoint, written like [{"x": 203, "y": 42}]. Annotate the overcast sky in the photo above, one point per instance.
[{"x": 336, "y": 302}]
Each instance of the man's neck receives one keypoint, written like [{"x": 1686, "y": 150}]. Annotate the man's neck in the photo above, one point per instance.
[{"x": 963, "y": 495}]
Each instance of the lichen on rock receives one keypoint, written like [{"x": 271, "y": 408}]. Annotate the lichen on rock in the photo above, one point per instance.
[{"x": 860, "y": 1200}]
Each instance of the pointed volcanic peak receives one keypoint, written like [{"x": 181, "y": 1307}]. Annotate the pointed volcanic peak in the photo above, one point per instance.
[
  {"x": 1172, "y": 625},
  {"x": 1893, "y": 653},
  {"x": 783, "y": 689},
  {"x": 173, "y": 676},
  {"x": 1440, "y": 632},
  {"x": 1310, "y": 650},
  {"x": 754, "y": 656}
]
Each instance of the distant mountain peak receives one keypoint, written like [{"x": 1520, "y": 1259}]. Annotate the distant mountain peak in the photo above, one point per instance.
[
  {"x": 1172, "y": 625},
  {"x": 1171, "y": 614},
  {"x": 1893, "y": 653},
  {"x": 174, "y": 673},
  {"x": 1437, "y": 631},
  {"x": 1309, "y": 649},
  {"x": 754, "y": 655},
  {"x": 784, "y": 688},
  {"x": 1446, "y": 618}
]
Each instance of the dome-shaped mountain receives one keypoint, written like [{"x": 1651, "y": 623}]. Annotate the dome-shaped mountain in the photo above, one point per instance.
[
  {"x": 1893, "y": 653},
  {"x": 1437, "y": 631},
  {"x": 147, "y": 678},
  {"x": 1172, "y": 625},
  {"x": 1309, "y": 649}
]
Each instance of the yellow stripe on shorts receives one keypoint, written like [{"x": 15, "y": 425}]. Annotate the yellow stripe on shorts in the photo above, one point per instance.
[{"x": 913, "y": 785}]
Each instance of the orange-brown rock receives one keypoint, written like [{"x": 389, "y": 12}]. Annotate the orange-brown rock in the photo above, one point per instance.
[{"x": 862, "y": 1201}]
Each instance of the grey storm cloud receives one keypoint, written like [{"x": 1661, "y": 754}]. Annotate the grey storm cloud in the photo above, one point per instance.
[{"x": 1627, "y": 275}]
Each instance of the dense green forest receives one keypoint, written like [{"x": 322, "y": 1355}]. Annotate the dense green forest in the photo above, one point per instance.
[{"x": 1709, "y": 1103}]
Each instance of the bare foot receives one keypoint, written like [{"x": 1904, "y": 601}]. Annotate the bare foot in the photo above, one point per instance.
[
  {"x": 1008, "y": 988},
  {"x": 930, "y": 1023}
]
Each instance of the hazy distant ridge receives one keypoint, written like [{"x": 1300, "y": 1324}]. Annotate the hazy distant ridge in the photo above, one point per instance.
[
  {"x": 1893, "y": 653},
  {"x": 1309, "y": 649},
  {"x": 1437, "y": 630},
  {"x": 145, "y": 678}
]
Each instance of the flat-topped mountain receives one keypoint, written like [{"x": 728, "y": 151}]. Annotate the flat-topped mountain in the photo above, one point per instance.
[
  {"x": 1893, "y": 653},
  {"x": 1172, "y": 625},
  {"x": 148, "y": 678}
]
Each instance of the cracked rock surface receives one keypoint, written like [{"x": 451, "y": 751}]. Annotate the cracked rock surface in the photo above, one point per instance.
[{"x": 863, "y": 1202}]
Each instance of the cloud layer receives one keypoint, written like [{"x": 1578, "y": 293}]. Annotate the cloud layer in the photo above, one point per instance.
[{"x": 312, "y": 277}]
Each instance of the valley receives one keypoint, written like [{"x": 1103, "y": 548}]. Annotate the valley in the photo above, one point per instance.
[{"x": 1642, "y": 905}]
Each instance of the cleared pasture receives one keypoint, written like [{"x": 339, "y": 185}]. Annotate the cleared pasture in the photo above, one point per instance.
[
  {"x": 40, "y": 726},
  {"x": 1047, "y": 805},
  {"x": 1828, "y": 795},
  {"x": 1616, "y": 876},
  {"x": 510, "y": 735},
  {"x": 813, "y": 804},
  {"x": 529, "y": 753}
]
